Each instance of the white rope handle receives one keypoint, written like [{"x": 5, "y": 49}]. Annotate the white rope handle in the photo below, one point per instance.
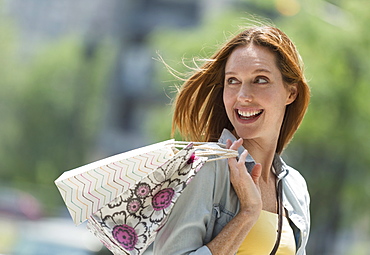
[{"x": 203, "y": 149}]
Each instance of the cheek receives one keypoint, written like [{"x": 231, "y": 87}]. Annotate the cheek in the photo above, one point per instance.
[
  {"x": 228, "y": 103},
  {"x": 279, "y": 110}
]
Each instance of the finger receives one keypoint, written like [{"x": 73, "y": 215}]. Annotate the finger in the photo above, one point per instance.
[
  {"x": 256, "y": 173},
  {"x": 236, "y": 144},
  {"x": 232, "y": 163},
  {"x": 243, "y": 157},
  {"x": 236, "y": 161},
  {"x": 228, "y": 143}
]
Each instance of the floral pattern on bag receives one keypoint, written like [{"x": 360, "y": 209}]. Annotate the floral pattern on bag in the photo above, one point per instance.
[{"x": 128, "y": 224}]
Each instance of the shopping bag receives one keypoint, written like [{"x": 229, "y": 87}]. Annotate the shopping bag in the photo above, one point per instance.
[
  {"x": 126, "y": 198},
  {"x": 90, "y": 187},
  {"x": 128, "y": 224}
]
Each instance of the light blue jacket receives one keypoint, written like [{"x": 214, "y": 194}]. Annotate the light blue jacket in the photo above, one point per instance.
[{"x": 209, "y": 203}]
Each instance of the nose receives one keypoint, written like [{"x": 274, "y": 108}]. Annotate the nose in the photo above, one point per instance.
[{"x": 245, "y": 93}]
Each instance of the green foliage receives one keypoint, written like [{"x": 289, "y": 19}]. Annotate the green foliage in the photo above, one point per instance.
[
  {"x": 51, "y": 106},
  {"x": 180, "y": 47}
]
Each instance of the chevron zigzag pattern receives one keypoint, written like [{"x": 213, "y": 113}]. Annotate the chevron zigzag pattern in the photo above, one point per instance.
[{"x": 88, "y": 188}]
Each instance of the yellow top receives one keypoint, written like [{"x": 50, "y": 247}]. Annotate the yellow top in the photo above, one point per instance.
[{"x": 262, "y": 237}]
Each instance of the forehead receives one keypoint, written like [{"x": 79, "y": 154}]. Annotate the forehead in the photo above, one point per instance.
[{"x": 251, "y": 57}]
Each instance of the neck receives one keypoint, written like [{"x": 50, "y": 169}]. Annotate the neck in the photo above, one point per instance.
[{"x": 263, "y": 154}]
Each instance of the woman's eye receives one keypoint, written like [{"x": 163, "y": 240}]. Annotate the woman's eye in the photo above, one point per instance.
[
  {"x": 232, "y": 81},
  {"x": 261, "y": 80}
]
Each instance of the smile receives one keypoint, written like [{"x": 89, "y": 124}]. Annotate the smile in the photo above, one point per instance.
[{"x": 247, "y": 115}]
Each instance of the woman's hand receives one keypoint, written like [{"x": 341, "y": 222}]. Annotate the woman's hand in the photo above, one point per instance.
[
  {"x": 245, "y": 185},
  {"x": 248, "y": 191}
]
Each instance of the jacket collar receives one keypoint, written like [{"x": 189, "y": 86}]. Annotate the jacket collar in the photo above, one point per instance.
[{"x": 279, "y": 167}]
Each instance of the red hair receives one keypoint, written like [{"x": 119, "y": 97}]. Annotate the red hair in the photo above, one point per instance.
[{"x": 199, "y": 112}]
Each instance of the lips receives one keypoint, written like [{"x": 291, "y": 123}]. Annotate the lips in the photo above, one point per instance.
[{"x": 248, "y": 115}]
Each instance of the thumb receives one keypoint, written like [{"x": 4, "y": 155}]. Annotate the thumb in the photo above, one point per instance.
[{"x": 256, "y": 173}]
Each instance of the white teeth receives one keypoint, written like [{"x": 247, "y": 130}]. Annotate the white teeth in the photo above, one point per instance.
[{"x": 249, "y": 114}]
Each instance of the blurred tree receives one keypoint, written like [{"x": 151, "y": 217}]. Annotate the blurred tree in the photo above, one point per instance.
[{"x": 51, "y": 108}]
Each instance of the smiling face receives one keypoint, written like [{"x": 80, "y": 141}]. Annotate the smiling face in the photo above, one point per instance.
[{"x": 255, "y": 96}]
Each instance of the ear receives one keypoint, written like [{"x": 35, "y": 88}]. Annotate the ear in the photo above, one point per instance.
[{"x": 293, "y": 93}]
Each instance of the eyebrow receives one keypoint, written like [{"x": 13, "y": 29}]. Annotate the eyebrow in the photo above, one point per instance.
[{"x": 259, "y": 70}]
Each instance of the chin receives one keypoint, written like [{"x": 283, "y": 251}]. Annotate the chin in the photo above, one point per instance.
[{"x": 245, "y": 134}]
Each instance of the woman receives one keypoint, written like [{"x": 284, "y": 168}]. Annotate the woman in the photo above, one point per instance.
[{"x": 252, "y": 96}]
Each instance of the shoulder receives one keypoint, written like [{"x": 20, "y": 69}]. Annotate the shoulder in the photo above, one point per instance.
[
  {"x": 295, "y": 185},
  {"x": 293, "y": 176},
  {"x": 297, "y": 203},
  {"x": 296, "y": 178},
  {"x": 214, "y": 168},
  {"x": 212, "y": 173}
]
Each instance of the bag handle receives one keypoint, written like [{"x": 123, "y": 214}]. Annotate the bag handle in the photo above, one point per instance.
[{"x": 208, "y": 149}]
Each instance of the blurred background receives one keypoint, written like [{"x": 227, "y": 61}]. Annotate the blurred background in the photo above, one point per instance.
[{"x": 80, "y": 80}]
